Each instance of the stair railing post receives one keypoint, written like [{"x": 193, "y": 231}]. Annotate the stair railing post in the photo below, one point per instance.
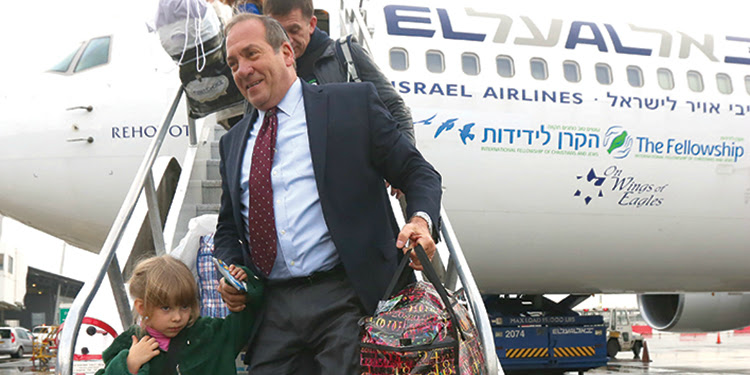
[
  {"x": 191, "y": 130},
  {"x": 118, "y": 290},
  {"x": 154, "y": 214}
]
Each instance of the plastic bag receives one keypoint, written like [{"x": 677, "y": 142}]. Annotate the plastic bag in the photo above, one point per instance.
[
  {"x": 187, "y": 249},
  {"x": 178, "y": 20},
  {"x": 191, "y": 33}
]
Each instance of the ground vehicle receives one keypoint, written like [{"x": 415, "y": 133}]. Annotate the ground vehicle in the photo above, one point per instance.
[
  {"x": 534, "y": 339},
  {"x": 28, "y": 333},
  {"x": 15, "y": 341},
  {"x": 620, "y": 336},
  {"x": 45, "y": 345},
  {"x": 40, "y": 332}
]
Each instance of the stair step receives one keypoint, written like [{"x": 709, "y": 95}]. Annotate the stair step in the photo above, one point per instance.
[
  {"x": 204, "y": 209},
  {"x": 211, "y": 190},
  {"x": 215, "y": 150},
  {"x": 218, "y": 132},
  {"x": 212, "y": 170}
]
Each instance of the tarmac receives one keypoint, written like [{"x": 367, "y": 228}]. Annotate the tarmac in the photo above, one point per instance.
[
  {"x": 670, "y": 353},
  {"x": 674, "y": 353}
]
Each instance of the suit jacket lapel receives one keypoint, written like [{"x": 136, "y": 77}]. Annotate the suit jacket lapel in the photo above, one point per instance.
[
  {"x": 316, "y": 112},
  {"x": 237, "y": 152}
]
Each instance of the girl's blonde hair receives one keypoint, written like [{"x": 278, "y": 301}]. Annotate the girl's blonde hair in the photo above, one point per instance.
[{"x": 165, "y": 281}]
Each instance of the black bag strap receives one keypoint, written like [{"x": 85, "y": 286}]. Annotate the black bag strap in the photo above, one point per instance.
[
  {"x": 432, "y": 277},
  {"x": 396, "y": 276}
]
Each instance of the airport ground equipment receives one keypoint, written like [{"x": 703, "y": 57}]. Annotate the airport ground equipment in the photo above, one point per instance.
[
  {"x": 45, "y": 349},
  {"x": 620, "y": 335},
  {"x": 535, "y": 335}
]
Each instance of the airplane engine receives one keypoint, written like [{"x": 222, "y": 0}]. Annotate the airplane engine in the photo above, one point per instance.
[{"x": 695, "y": 312}]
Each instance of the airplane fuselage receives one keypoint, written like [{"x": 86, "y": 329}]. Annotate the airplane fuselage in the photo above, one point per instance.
[{"x": 555, "y": 185}]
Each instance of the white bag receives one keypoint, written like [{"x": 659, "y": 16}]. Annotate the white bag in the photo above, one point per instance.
[
  {"x": 177, "y": 20},
  {"x": 187, "y": 249}
]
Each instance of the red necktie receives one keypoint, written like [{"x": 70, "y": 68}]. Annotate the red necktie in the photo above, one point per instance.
[{"x": 262, "y": 227}]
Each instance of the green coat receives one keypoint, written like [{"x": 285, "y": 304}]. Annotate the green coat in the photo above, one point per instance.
[{"x": 209, "y": 346}]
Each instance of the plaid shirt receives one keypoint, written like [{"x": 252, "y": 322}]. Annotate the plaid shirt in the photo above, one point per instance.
[{"x": 211, "y": 302}]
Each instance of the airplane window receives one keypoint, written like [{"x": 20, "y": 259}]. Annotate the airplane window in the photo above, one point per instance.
[
  {"x": 747, "y": 84},
  {"x": 666, "y": 80},
  {"x": 538, "y": 68},
  {"x": 399, "y": 59},
  {"x": 95, "y": 54},
  {"x": 435, "y": 61},
  {"x": 695, "y": 81},
  {"x": 470, "y": 64},
  {"x": 724, "y": 83},
  {"x": 572, "y": 71},
  {"x": 64, "y": 65},
  {"x": 504, "y": 66},
  {"x": 635, "y": 76},
  {"x": 603, "y": 74}
]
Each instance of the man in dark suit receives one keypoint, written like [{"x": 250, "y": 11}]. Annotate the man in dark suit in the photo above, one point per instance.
[{"x": 303, "y": 203}]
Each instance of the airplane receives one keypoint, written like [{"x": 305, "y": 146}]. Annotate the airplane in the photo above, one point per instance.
[{"x": 582, "y": 150}]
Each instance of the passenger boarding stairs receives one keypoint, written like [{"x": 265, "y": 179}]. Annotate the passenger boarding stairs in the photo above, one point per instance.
[{"x": 198, "y": 192}]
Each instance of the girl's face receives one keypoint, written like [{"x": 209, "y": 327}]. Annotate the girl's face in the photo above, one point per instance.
[{"x": 169, "y": 320}]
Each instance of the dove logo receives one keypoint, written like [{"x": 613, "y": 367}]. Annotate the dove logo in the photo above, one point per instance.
[
  {"x": 464, "y": 132},
  {"x": 447, "y": 125},
  {"x": 618, "y": 142}
]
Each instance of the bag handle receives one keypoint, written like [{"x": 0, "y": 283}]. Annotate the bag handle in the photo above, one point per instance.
[
  {"x": 432, "y": 277},
  {"x": 396, "y": 276}
]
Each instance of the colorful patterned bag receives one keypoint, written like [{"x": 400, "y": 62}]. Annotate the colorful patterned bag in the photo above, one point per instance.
[{"x": 414, "y": 333}]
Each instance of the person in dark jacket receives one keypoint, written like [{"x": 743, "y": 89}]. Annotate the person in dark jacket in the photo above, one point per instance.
[
  {"x": 171, "y": 338},
  {"x": 318, "y": 61},
  {"x": 303, "y": 204}
]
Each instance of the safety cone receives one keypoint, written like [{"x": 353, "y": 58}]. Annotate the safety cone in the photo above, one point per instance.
[
  {"x": 718, "y": 337},
  {"x": 645, "y": 358}
]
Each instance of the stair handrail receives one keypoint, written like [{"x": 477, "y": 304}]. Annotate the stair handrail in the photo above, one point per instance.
[
  {"x": 108, "y": 262},
  {"x": 458, "y": 268},
  {"x": 458, "y": 264}
]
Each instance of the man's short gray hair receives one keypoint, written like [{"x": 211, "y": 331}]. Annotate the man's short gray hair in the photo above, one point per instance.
[{"x": 275, "y": 33}]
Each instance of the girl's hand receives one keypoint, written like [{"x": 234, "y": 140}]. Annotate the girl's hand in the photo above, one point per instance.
[
  {"x": 237, "y": 272},
  {"x": 141, "y": 352}
]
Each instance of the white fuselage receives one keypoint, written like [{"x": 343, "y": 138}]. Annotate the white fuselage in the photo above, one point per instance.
[{"x": 537, "y": 201}]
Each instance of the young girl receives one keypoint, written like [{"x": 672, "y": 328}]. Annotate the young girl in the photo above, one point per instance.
[{"x": 171, "y": 337}]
